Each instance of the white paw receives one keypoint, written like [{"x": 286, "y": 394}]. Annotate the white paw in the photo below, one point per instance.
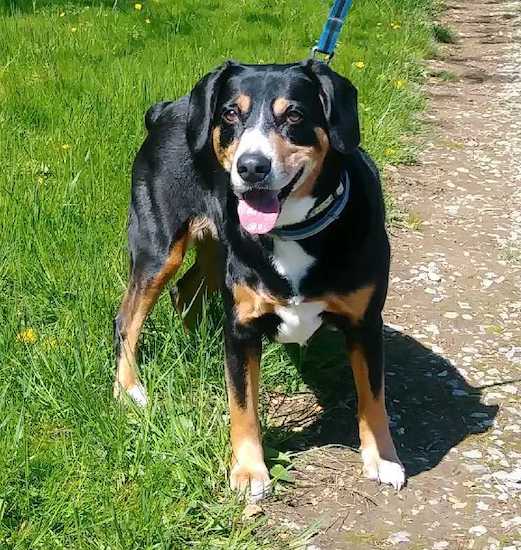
[
  {"x": 384, "y": 471},
  {"x": 253, "y": 482},
  {"x": 137, "y": 393}
]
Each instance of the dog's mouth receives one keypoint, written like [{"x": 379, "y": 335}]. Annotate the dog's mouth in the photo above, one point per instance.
[{"x": 259, "y": 209}]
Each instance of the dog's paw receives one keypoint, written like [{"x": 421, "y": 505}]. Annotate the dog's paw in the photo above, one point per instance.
[
  {"x": 390, "y": 472},
  {"x": 137, "y": 393},
  {"x": 253, "y": 481}
]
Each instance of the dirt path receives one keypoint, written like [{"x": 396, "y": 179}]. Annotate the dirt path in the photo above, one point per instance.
[{"x": 454, "y": 326}]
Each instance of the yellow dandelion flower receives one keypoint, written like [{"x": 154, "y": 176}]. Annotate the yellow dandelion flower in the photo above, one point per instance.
[
  {"x": 389, "y": 152},
  {"x": 66, "y": 146},
  {"x": 399, "y": 84},
  {"x": 359, "y": 64},
  {"x": 138, "y": 7},
  {"x": 73, "y": 29},
  {"x": 395, "y": 25},
  {"x": 27, "y": 336}
]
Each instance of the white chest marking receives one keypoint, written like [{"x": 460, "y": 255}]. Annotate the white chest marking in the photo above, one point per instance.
[
  {"x": 299, "y": 320},
  {"x": 291, "y": 261}
]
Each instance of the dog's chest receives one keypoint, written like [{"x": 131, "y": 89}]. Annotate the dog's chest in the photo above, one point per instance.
[{"x": 299, "y": 319}]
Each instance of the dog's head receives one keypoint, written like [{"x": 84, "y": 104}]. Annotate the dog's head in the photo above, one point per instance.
[{"x": 271, "y": 127}]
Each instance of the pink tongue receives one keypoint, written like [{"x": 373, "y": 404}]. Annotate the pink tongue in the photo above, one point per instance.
[{"x": 258, "y": 211}]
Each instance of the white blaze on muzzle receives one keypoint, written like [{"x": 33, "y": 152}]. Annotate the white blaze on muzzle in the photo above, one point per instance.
[
  {"x": 253, "y": 140},
  {"x": 258, "y": 209}
]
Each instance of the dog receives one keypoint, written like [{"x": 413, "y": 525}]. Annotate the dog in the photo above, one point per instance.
[{"x": 260, "y": 168}]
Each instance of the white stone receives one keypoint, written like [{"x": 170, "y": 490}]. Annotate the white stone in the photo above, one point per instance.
[
  {"x": 473, "y": 454},
  {"x": 478, "y": 530}
]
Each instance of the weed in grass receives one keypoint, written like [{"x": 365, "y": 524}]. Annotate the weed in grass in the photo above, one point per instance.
[
  {"x": 443, "y": 34},
  {"x": 413, "y": 221},
  {"x": 512, "y": 255},
  {"x": 78, "y": 470},
  {"x": 447, "y": 76}
]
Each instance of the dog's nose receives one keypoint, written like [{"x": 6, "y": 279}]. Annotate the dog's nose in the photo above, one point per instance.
[{"x": 253, "y": 167}]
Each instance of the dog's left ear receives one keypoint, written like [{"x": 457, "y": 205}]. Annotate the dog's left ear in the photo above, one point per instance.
[
  {"x": 339, "y": 101},
  {"x": 201, "y": 108}
]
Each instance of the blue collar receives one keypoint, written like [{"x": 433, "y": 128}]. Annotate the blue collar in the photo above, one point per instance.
[{"x": 318, "y": 218}]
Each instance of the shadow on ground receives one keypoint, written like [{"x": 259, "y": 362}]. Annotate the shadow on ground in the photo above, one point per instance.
[{"x": 431, "y": 406}]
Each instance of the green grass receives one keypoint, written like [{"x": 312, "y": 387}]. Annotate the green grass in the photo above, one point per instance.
[
  {"x": 447, "y": 76},
  {"x": 77, "y": 470},
  {"x": 443, "y": 34}
]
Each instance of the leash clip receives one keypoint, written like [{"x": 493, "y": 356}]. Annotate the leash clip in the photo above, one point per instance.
[
  {"x": 330, "y": 33},
  {"x": 316, "y": 53}
]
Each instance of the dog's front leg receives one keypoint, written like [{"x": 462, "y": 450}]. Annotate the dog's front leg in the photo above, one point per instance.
[
  {"x": 248, "y": 471},
  {"x": 379, "y": 455}
]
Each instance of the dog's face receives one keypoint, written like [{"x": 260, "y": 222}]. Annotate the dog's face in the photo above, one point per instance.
[{"x": 271, "y": 127}]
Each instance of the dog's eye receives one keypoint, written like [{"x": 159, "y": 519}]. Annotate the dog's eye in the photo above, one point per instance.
[
  {"x": 293, "y": 116},
  {"x": 231, "y": 116}
]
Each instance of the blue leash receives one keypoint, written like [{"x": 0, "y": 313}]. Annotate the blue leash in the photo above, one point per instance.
[{"x": 331, "y": 31}]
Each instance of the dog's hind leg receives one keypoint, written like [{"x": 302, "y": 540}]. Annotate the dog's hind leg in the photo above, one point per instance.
[
  {"x": 203, "y": 278},
  {"x": 148, "y": 278}
]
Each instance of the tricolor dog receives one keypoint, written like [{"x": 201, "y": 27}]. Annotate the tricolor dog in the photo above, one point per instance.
[{"x": 260, "y": 169}]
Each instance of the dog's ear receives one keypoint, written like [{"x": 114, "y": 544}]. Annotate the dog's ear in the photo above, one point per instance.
[
  {"x": 339, "y": 101},
  {"x": 201, "y": 108}
]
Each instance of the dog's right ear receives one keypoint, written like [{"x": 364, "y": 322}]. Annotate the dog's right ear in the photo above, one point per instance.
[{"x": 202, "y": 106}]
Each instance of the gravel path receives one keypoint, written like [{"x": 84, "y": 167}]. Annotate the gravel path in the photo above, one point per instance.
[{"x": 453, "y": 326}]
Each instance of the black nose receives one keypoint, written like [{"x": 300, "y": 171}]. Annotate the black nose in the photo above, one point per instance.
[{"x": 253, "y": 167}]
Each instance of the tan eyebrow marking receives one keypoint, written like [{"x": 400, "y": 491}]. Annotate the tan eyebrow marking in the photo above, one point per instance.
[
  {"x": 280, "y": 105},
  {"x": 244, "y": 103}
]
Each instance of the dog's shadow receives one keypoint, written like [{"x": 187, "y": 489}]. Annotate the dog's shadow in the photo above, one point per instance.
[{"x": 431, "y": 406}]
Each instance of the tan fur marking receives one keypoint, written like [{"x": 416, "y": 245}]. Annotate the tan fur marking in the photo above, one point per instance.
[
  {"x": 280, "y": 105},
  {"x": 137, "y": 303},
  {"x": 224, "y": 154},
  {"x": 172, "y": 264},
  {"x": 201, "y": 227},
  {"x": 245, "y": 433},
  {"x": 293, "y": 157},
  {"x": 372, "y": 415},
  {"x": 244, "y": 103},
  {"x": 352, "y": 305},
  {"x": 320, "y": 152},
  {"x": 250, "y": 304}
]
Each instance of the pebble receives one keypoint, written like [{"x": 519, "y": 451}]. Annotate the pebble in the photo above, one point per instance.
[
  {"x": 478, "y": 530},
  {"x": 434, "y": 277},
  {"x": 399, "y": 538},
  {"x": 473, "y": 454},
  {"x": 451, "y": 315}
]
